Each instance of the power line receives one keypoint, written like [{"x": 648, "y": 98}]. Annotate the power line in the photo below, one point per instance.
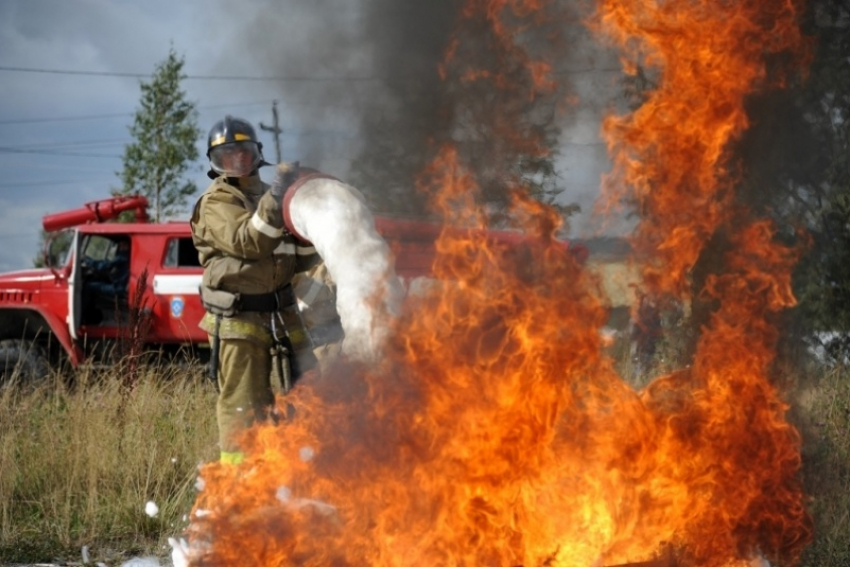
[
  {"x": 278, "y": 79},
  {"x": 42, "y": 165},
  {"x": 116, "y": 115},
  {"x": 76, "y": 144},
  {"x": 63, "y": 119},
  {"x": 71, "y": 147},
  {"x": 268, "y": 79},
  {"x": 299, "y": 79},
  {"x": 9, "y": 150},
  {"x": 50, "y": 183},
  {"x": 19, "y": 236}
]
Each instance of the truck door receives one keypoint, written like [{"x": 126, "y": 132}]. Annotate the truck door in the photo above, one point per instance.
[
  {"x": 98, "y": 284},
  {"x": 75, "y": 288}
]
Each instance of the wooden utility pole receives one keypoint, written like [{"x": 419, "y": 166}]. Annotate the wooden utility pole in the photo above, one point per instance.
[{"x": 275, "y": 129}]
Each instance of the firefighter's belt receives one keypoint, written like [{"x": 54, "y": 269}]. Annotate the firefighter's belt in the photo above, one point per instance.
[
  {"x": 267, "y": 302},
  {"x": 228, "y": 304}
]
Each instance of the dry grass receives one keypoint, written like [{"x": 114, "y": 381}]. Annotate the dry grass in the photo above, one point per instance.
[
  {"x": 77, "y": 465},
  {"x": 823, "y": 414}
]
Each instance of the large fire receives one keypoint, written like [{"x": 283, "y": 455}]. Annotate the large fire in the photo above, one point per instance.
[{"x": 496, "y": 431}]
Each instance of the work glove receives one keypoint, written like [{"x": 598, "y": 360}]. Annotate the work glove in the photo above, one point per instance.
[
  {"x": 270, "y": 207},
  {"x": 284, "y": 176}
]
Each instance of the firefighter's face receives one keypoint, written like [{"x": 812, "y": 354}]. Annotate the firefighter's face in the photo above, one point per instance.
[{"x": 237, "y": 159}]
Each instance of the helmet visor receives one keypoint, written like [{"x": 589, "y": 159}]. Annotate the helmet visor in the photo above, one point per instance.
[{"x": 235, "y": 159}]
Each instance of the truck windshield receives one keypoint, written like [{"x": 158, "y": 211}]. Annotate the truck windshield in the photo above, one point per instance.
[
  {"x": 97, "y": 247},
  {"x": 57, "y": 247}
]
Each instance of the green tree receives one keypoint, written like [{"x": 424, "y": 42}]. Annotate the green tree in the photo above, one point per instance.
[
  {"x": 165, "y": 130},
  {"x": 797, "y": 157}
]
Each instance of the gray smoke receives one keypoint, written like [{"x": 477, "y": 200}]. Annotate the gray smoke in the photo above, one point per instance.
[
  {"x": 351, "y": 66},
  {"x": 319, "y": 49},
  {"x": 364, "y": 100}
]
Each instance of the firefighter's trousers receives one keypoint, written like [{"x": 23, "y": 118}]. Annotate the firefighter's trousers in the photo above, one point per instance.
[{"x": 245, "y": 391}]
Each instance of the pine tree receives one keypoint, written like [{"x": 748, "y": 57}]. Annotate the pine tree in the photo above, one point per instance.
[{"x": 165, "y": 130}]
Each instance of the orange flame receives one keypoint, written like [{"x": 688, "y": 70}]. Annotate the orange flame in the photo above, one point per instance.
[
  {"x": 496, "y": 432},
  {"x": 670, "y": 155}
]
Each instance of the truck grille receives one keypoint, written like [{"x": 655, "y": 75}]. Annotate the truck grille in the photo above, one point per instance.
[{"x": 15, "y": 296}]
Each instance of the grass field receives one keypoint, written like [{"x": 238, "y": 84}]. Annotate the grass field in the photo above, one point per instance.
[{"x": 78, "y": 465}]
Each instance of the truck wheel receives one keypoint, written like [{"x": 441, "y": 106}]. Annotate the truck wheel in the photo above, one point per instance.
[{"x": 23, "y": 360}]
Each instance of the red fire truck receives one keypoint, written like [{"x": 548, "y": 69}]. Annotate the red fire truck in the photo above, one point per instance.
[{"x": 52, "y": 316}]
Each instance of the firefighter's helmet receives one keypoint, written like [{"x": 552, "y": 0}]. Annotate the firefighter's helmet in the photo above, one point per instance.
[{"x": 233, "y": 148}]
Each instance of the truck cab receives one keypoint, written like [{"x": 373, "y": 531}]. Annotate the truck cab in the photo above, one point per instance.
[
  {"x": 75, "y": 309},
  {"x": 159, "y": 295}
]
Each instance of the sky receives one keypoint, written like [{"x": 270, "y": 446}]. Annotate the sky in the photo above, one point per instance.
[{"x": 66, "y": 100}]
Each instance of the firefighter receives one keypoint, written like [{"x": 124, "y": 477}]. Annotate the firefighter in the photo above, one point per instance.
[{"x": 249, "y": 261}]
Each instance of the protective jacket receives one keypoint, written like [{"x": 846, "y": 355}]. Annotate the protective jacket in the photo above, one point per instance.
[{"x": 238, "y": 231}]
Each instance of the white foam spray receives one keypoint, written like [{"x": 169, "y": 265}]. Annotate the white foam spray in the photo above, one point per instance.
[{"x": 335, "y": 218}]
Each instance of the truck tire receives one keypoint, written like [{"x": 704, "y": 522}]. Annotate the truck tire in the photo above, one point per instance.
[{"x": 23, "y": 360}]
